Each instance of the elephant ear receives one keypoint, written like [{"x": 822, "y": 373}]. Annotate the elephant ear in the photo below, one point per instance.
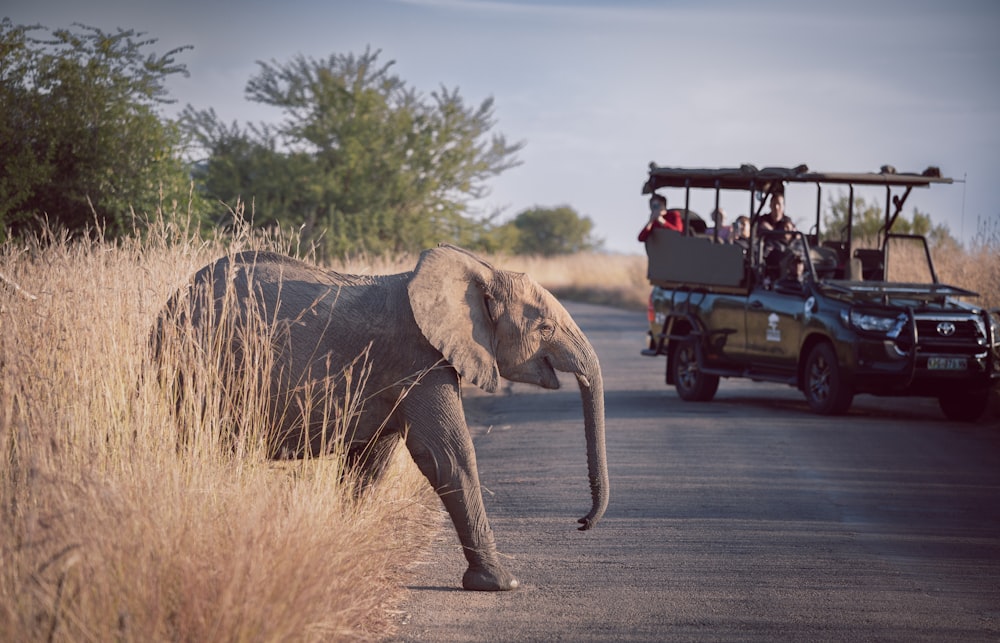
[{"x": 448, "y": 294}]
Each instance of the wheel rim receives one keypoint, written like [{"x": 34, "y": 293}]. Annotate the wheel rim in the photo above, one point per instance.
[
  {"x": 819, "y": 379},
  {"x": 687, "y": 368}
]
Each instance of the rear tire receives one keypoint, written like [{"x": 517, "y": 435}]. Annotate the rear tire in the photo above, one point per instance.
[
  {"x": 965, "y": 406},
  {"x": 826, "y": 391},
  {"x": 692, "y": 384}
]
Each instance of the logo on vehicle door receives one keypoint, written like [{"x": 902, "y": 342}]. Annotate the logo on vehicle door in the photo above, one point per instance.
[
  {"x": 773, "y": 332},
  {"x": 946, "y": 329}
]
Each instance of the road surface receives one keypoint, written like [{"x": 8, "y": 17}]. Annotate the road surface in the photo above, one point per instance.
[{"x": 747, "y": 518}]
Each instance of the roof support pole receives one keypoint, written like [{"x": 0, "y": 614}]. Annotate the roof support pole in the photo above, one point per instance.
[
  {"x": 687, "y": 207},
  {"x": 887, "y": 225},
  {"x": 819, "y": 206},
  {"x": 850, "y": 220},
  {"x": 718, "y": 223},
  {"x": 898, "y": 202}
]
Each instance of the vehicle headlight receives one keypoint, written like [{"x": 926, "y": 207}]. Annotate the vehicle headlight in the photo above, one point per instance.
[{"x": 873, "y": 323}]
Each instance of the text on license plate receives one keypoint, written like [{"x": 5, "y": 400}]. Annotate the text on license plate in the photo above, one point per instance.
[{"x": 946, "y": 363}]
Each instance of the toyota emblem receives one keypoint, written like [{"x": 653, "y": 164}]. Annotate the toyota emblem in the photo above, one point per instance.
[{"x": 946, "y": 329}]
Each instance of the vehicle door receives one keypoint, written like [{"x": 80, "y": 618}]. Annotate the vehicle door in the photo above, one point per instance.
[
  {"x": 774, "y": 320},
  {"x": 725, "y": 319}
]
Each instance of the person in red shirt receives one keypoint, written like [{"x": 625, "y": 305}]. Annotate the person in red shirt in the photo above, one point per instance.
[{"x": 661, "y": 217}]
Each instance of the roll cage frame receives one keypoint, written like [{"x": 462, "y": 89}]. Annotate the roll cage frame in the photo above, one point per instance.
[{"x": 761, "y": 183}]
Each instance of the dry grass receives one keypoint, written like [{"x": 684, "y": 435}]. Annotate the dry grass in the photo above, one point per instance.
[
  {"x": 612, "y": 280},
  {"x": 977, "y": 268},
  {"x": 110, "y": 531}
]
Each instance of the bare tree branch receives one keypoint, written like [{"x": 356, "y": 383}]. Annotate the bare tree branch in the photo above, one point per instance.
[{"x": 17, "y": 289}]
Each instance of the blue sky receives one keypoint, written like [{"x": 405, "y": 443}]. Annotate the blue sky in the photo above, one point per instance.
[{"x": 598, "y": 89}]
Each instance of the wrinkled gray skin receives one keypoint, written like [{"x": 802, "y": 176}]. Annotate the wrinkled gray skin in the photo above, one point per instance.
[{"x": 452, "y": 317}]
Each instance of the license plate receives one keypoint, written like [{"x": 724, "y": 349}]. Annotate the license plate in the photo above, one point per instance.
[{"x": 947, "y": 363}]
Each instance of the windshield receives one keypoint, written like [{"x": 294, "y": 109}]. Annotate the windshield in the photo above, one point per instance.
[{"x": 908, "y": 260}]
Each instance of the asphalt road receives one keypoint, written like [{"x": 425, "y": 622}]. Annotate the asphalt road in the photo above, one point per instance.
[{"x": 747, "y": 518}]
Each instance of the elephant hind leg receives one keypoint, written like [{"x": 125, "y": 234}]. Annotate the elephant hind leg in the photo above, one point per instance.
[{"x": 369, "y": 461}]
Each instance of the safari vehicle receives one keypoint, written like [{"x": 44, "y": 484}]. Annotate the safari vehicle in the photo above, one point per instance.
[{"x": 855, "y": 320}]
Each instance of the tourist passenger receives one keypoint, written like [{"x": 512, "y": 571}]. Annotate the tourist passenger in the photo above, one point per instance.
[
  {"x": 741, "y": 231},
  {"x": 661, "y": 217},
  {"x": 719, "y": 217},
  {"x": 775, "y": 217},
  {"x": 779, "y": 250}
]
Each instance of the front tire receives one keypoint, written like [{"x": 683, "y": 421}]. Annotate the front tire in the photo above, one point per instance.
[
  {"x": 965, "y": 406},
  {"x": 692, "y": 384},
  {"x": 826, "y": 391}
]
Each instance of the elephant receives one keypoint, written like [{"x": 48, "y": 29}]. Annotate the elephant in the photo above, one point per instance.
[{"x": 454, "y": 317}]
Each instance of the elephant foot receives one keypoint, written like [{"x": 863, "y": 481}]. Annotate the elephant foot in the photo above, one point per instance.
[{"x": 486, "y": 580}]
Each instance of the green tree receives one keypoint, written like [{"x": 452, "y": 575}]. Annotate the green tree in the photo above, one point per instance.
[
  {"x": 553, "y": 231},
  {"x": 493, "y": 237},
  {"x": 81, "y": 142},
  {"x": 360, "y": 161},
  {"x": 870, "y": 219},
  {"x": 281, "y": 180}
]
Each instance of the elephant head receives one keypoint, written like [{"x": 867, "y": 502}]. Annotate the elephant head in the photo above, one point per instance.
[{"x": 491, "y": 323}]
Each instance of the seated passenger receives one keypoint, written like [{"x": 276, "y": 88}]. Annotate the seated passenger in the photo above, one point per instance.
[
  {"x": 791, "y": 241},
  {"x": 777, "y": 248},
  {"x": 719, "y": 217},
  {"x": 781, "y": 244},
  {"x": 741, "y": 232},
  {"x": 661, "y": 217},
  {"x": 775, "y": 217}
]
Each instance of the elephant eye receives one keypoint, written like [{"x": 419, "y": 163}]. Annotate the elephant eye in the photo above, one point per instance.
[
  {"x": 491, "y": 307},
  {"x": 546, "y": 329}
]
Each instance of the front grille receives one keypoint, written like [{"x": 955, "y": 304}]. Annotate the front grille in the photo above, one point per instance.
[{"x": 967, "y": 338}]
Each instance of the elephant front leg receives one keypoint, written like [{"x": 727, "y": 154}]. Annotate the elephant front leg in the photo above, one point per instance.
[{"x": 450, "y": 466}]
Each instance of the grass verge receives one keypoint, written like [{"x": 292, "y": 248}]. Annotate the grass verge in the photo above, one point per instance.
[{"x": 110, "y": 531}]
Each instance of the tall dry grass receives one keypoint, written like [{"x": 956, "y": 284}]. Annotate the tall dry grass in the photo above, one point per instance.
[
  {"x": 112, "y": 529},
  {"x": 612, "y": 280},
  {"x": 976, "y": 267}
]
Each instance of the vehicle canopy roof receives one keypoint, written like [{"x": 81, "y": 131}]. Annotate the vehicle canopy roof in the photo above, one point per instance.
[
  {"x": 760, "y": 182},
  {"x": 749, "y": 177}
]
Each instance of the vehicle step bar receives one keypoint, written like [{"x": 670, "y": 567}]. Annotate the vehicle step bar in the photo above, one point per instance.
[{"x": 756, "y": 376}]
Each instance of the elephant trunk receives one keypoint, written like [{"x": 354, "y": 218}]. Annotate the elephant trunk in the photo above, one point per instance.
[{"x": 592, "y": 394}]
